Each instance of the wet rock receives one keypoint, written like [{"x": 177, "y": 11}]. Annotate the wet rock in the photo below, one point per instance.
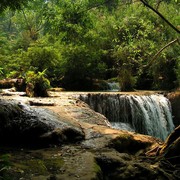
[
  {"x": 21, "y": 124},
  {"x": 11, "y": 92},
  {"x": 84, "y": 113},
  {"x": 101, "y": 152}
]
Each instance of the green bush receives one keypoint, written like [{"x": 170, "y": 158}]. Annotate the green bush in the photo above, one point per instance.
[{"x": 37, "y": 84}]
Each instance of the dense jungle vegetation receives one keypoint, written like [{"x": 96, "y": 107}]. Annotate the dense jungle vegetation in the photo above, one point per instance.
[{"x": 73, "y": 43}]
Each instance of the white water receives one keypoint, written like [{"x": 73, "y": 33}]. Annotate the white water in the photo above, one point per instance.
[
  {"x": 149, "y": 115},
  {"x": 122, "y": 126},
  {"x": 113, "y": 86}
]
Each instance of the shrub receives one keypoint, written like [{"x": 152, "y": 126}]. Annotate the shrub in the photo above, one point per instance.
[{"x": 37, "y": 84}]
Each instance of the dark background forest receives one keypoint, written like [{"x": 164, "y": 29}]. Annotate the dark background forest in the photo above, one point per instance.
[{"x": 75, "y": 43}]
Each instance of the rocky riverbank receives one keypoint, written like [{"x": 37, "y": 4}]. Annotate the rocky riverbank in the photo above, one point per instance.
[{"x": 62, "y": 138}]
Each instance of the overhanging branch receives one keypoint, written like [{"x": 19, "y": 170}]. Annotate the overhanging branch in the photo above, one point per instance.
[
  {"x": 157, "y": 54},
  {"x": 161, "y": 16}
]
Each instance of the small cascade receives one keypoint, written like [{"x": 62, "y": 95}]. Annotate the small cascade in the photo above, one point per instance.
[
  {"x": 113, "y": 86},
  {"x": 150, "y": 115}
]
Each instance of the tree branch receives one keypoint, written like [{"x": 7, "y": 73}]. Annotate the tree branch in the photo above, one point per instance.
[
  {"x": 26, "y": 20},
  {"x": 160, "y": 15},
  {"x": 157, "y": 54},
  {"x": 103, "y": 3}
]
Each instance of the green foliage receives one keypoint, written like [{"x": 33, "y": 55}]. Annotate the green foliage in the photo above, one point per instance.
[
  {"x": 1, "y": 72},
  {"x": 79, "y": 71},
  {"x": 133, "y": 43},
  {"x": 78, "y": 41},
  {"x": 41, "y": 58},
  {"x": 178, "y": 74},
  {"x": 32, "y": 77},
  {"x": 37, "y": 83},
  {"x": 13, "y": 4},
  {"x": 165, "y": 69}
]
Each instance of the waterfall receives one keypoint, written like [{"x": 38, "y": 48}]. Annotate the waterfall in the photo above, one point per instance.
[
  {"x": 150, "y": 115},
  {"x": 113, "y": 86}
]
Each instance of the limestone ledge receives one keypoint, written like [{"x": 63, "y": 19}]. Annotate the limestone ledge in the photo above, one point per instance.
[{"x": 96, "y": 152}]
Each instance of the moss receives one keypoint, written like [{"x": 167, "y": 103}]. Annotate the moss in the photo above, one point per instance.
[
  {"x": 97, "y": 168},
  {"x": 41, "y": 167},
  {"x": 5, "y": 164},
  {"x": 53, "y": 165},
  {"x": 29, "y": 163},
  {"x": 34, "y": 166},
  {"x": 25, "y": 169}
]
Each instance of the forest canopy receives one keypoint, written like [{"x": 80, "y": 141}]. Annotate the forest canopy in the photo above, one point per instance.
[
  {"x": 12, "y": 4},
  {"x": 73, "y": 43}
]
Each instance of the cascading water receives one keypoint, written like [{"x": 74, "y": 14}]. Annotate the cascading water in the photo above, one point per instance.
[
  {"x": 149, "y": 115},
  {"x": 113, "y": 86}
]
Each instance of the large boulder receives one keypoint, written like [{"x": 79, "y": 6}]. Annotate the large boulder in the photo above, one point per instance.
[
  {"x": 123, "y": 166},
  {"x": 21, "y": 124}
]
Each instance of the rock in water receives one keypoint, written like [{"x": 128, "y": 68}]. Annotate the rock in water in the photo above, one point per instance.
[{"x": 21, "y": 124}]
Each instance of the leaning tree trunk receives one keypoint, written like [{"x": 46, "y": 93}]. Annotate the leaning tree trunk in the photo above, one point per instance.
[{"x": 171, "y": 147}]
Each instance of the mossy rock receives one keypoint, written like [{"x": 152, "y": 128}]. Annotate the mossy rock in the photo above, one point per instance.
[
  {"x": 32, "y": 166},
  {"x": 123, "y": 166},
  {"x": 29, "y": 166},
  {"x": 127, "y": 144}
]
